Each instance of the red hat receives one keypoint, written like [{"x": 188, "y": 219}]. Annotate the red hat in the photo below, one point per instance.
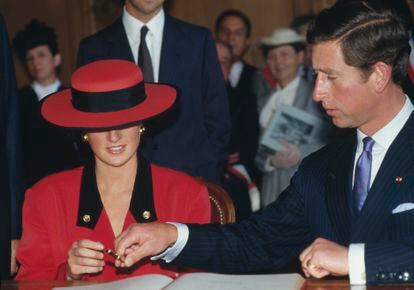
[{"x": 107, "y": 94}]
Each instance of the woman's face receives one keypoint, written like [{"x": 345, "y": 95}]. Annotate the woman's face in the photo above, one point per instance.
[
  {"x": 42, "y": 64},
  {"x": 284, "y": 62},
  {"x": 115, "y": 148}
]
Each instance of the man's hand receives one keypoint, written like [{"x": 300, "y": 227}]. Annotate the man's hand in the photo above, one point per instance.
[
  {"x": 143, "y": 240},
  {"x": 288, "y": 157},
  {"x": 85, "y": 256},
  {"x": 323, "y": 258}
]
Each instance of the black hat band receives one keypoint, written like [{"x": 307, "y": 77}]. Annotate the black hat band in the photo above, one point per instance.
[{"x": 100, "y": 102}]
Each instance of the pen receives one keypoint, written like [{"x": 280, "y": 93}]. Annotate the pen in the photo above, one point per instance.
[{"x": 113, "y": 254}]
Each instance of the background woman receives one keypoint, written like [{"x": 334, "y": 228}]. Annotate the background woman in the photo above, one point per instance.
[
  {"x": 47, "y": 149},
  {"x": 284, "y": 53}
]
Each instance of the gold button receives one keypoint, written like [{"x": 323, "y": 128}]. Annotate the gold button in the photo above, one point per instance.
[
  {"x": 398, "y": 179},
  {"x": 146, "y": 214},
  {"x": 86, "y": 218}
]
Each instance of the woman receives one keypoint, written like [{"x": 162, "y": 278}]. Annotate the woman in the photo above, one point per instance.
[
  {"x": 70, "y": 219},
  {"x": 47, "y": 149},
  {"x": 284, "y": 52}
]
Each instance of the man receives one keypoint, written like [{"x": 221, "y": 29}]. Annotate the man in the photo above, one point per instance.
[
  {"x": 195, "y": 139},
  {"x": 11, "y": 189},
  {"x": 234, "y": 28},
  {"x": 47, "y": 149},
  {"x": 348, "y": 209}
]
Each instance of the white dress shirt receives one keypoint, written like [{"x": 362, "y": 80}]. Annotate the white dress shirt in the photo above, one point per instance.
[
  {"x": 356, "y": 254},
  {"x": 235, "y": 73},
  {"x": 42, "y": 91},
  {"x": 153, "y": 39}
]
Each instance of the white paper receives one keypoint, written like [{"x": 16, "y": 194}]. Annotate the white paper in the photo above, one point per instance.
[
  {"x": 200, "y": 281},
  {"x": 146, "y": 282},
  {"x": 210, "y": 281}
]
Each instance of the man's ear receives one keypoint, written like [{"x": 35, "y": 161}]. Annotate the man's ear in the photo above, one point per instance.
[
  {"x": 381, "y": 76},
  {"x": 57, "y": 59}
]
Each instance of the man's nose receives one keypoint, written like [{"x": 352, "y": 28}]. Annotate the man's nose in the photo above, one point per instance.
[{"x": 319, "y": 89}]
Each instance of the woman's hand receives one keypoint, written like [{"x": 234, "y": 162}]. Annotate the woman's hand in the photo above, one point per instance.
[
  {"x": 288, "y": 157},
  {"x": 84, "y": 257}
]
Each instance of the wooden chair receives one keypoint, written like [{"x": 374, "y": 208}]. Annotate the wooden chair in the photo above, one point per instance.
[{"x": 222, "y": 207}]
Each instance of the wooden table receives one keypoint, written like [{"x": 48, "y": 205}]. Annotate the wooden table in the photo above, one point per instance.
[
  {"x": 310, "y": 285},
  {"x": 344, "y": 285}
]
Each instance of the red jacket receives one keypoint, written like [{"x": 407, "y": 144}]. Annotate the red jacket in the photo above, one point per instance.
[{"x": 53, "y": 219}]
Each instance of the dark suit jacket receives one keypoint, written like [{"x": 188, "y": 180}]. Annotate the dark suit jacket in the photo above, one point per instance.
[
  {"x": 11, "y": 190},
  {"x": 194, "y": 136},
  {"x": 317, "y": 204},
  {"x": 47, "y": 149},
  {"x": 244, "y": 115},
  {"x": 244, "y": 139}
]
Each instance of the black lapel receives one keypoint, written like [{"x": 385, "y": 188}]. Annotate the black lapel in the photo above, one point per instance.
[
  {"x": 339, "y": 188},
  {"x": 90, "y": 204},
  {"x": 398, "y": 162},
  {"x": 142, "y": 203},
  {"x": 142, "y": 200}
]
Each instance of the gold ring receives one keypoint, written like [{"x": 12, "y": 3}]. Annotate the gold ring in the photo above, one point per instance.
[{"x": 309, "y": 265}]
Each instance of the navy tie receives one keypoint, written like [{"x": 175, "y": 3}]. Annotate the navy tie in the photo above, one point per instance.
[
  {"x": 144, "y": 57},
  {"x": 362, "y": 175}
]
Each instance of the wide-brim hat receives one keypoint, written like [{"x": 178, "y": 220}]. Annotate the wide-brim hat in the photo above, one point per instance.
[
  {"x": 282, "y": 36},
  {"x": 107, "y": 94}
]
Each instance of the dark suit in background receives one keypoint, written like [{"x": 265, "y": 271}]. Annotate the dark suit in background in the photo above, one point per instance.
[
  {"x": 47, "y": 149},
  {"x": 195, "y": 139},
  {"x": 11, "y": 189},
  {"x": 244, "y": 139},
  {"x": 317, "y": 204}
]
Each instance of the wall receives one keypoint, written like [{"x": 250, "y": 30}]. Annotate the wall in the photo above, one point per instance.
[{"x": 75, "y": 19}]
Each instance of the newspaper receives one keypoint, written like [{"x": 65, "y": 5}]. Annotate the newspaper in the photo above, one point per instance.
[{"x": 291, "y": 124}]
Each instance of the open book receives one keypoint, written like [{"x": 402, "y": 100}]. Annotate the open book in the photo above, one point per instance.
[{"x": 201, "y": 281}]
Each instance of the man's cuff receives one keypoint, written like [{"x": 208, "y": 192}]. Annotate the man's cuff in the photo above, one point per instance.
[
  {"x": 356, "y": 264},
  {"x": 172, "y": 252}
]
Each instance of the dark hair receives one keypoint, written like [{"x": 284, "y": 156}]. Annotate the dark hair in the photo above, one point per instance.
[
  {"x": 367, "y": 32},
  {"x": 35, "y": 33},
  {"x": 236, "y": 13},
  {"x": 301, "y": 20},
  {"x": 297, "y": 46},
  {"x": 399, "y": 7}
]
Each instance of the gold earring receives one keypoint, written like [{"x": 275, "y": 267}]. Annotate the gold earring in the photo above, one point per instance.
[
  {"x": 85, "y": 138},
  {"x": 142, "y": 130}
]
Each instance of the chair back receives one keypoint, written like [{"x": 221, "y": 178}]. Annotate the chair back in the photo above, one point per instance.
[{"x": 222, "y": 207}]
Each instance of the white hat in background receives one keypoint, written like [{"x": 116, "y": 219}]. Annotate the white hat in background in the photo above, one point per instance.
[{"x": 282, "y": 36}]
